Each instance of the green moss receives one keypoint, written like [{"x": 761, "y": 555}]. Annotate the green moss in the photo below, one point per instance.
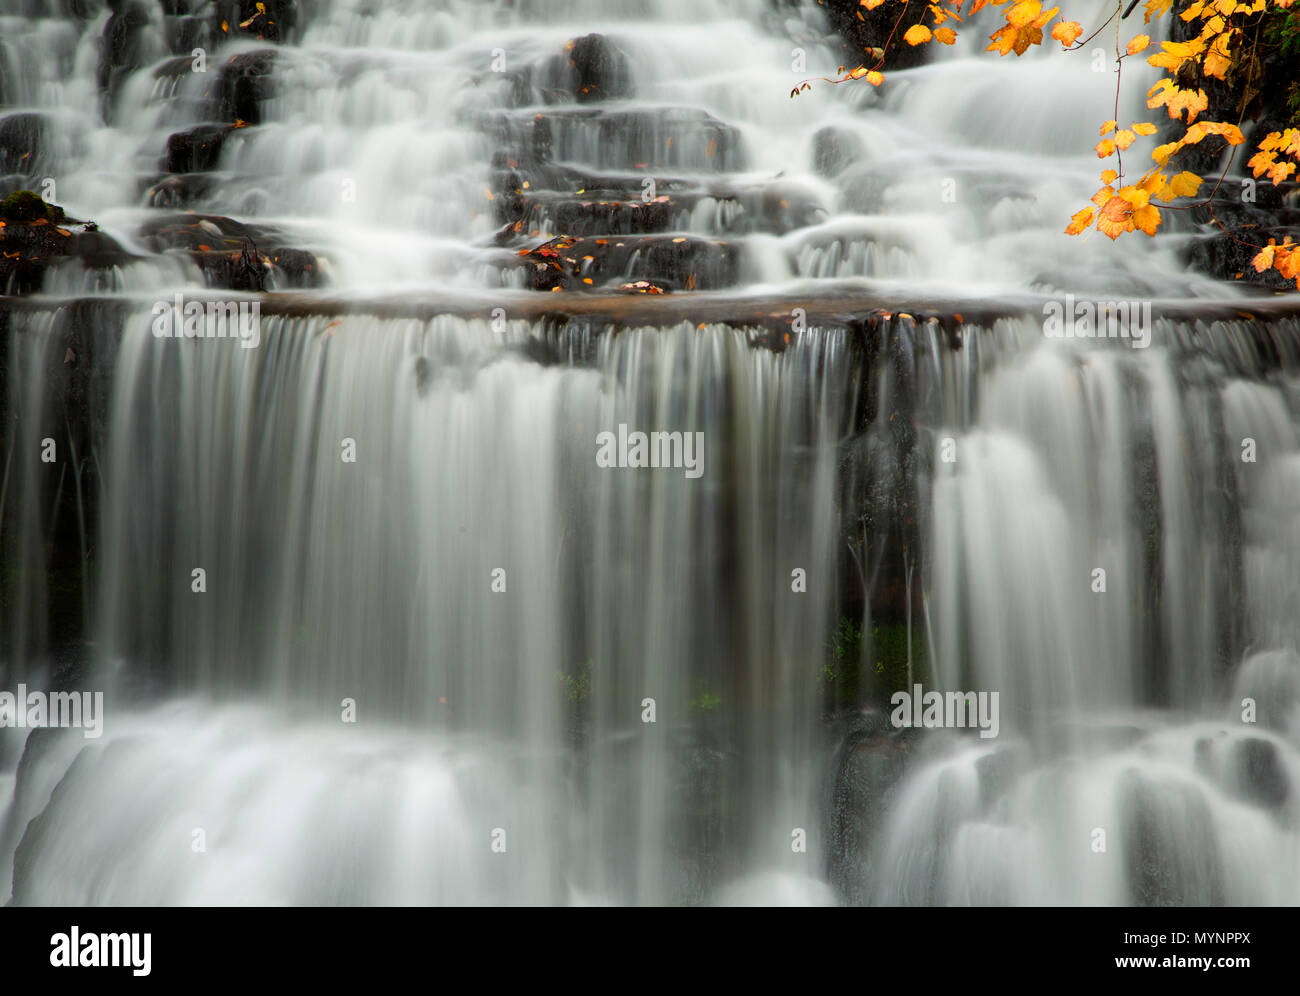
[
  {"x": 863, "y": 667},
  {"x": 705, "y": 701},
  {"x": 24, "y": 205},
  {"x": 577, "y": 686}
]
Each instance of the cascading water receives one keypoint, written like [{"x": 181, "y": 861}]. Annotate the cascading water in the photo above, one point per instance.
[{"x": 563, "y": 682}]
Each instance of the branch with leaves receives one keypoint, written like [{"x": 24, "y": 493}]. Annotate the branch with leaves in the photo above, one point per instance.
[{"x": 1220, "y": 45}]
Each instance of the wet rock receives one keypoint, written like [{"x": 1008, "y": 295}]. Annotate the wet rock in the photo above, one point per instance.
[
  {"x": 1260, "y": 774},
  {"x": 178, "y": 190},
  {"x": 862, "y": 30},
  {"x": 865, "y": 774},
  {"x": 1169, "y": 844},
  {"x": 835, "y": 149},
  {"x": 268, "y": 20},
  {"x": 184, "y": 33},
  {"x": 22, "y": 143},
  {"x": 197, "y": 150},
  {"x": 244, "y": 83},
  {"x": 591, "y": 69},
  {"x": 648, "y": 139},
  {"x": 121, "y": 49},
  {"x": 232, "y": 254},
  {"x": 1229, "y": 255},
  {"x": 669, "y": 263},
  {"x": 35, "y": 236}
]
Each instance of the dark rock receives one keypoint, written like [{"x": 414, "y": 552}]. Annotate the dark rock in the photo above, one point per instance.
[
  {"x": 36, "y": 235},
  {"x": 120, "y": 47},
  {"x": 22, "y": 143},
  {"x": 277, "y": 21},
  {"x": 244, "y": 83},
  {"x": 197, "y": 150},
  {"x": 862, "y": 30},
  {"x": 865, "y": 773},
  {"x": 680, "y": 263},
  {"x": 591, "y": 69},
  {"x": 681, "y": 138}
]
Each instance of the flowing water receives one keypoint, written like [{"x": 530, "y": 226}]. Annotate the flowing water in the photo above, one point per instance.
[{"x": 437, "y": 654}]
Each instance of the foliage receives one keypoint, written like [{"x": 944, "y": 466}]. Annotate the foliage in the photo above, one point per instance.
[
  {"x": 577, "y": 686},
  {"x": 1225, "y": 46}
]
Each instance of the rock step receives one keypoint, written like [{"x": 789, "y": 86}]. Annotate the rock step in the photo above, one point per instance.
[
  {"x": 623, "y": 138},
  {"x": 658, "y": 262}
]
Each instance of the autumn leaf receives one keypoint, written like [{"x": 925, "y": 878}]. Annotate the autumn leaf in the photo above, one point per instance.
[
  {"x": 1067, "y": 32},
  {"x": 1116, "y": 216},
  {"x": 1185, "y": 185},
  {"x": 1138, "y": 44},
  {"x": 1147, "y": 219},
  {"x": 1264, "y": 260},
  {"x": 1155, "y": 8},
  {"x": 917, "y": 34},
  {"x": 945, "y": 35},
  {"x": 1080, "y": 221},
  {"x": 1109, "y": 176}
]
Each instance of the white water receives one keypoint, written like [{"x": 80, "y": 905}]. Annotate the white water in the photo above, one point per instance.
[{"x": 523, "y": 710}]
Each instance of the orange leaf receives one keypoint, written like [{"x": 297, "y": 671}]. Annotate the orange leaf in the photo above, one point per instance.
[
  {"x": 1138, "y": 44},
  {"x": 917, "y": 34},
  {"x": 1067, "y": 32},
  {"x": 1080, "y": 220}
]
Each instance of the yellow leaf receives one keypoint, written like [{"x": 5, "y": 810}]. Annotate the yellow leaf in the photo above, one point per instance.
[
  {"x": 875, "y": 78},
  {"x": 1185, "y": 185},
  {"x": 1138, "y": 44},
  {"x": 1109, "y": 176},
  {"x": 945, "y": 35},
  {"x": 1144, "y": 128},
  {"x": 1162, "y": 153},
  {"x": 1154, "y": 8},
  {"x": 1147, "y": 218},
  {"x": 1124, "y": 139},
  {"x": 917, "y": 34},
  {"x": 1067, "y": 32},
  {"x": 1080, "y": 220},
  {"x": 1264, "y": 260},
  {"x": 1106, "y": 147},
  {"x": 1116, "y": 218},
  {"x": 1024, "y": 12},
  {"x": 1108, "y": 127}
]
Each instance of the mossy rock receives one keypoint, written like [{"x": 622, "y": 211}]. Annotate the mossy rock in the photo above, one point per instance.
[
  {"x": 27, "y": 205},
  {"x": 23, "y": 205}
]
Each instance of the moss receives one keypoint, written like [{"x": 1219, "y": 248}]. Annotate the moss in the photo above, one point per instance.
[
  {"x": 861, "y": 667},
  {"x": 24, "y": 205},
  {"x": 705, "y": 701},
  {"x": 577, "y": 686}
]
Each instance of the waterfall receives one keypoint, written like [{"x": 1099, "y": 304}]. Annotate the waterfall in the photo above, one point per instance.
[{"x": 378, "y": 622}]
